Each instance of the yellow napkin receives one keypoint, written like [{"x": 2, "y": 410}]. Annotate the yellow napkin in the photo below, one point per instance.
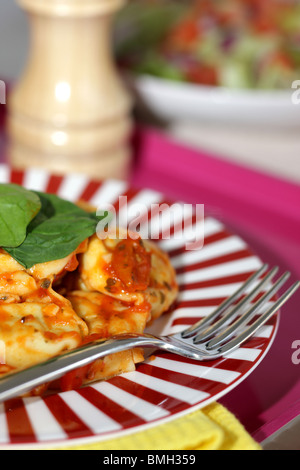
[{"x": 212, "y": 428}]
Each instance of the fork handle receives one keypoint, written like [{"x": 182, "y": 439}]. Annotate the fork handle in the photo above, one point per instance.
[{"x": 19, "y": 383}]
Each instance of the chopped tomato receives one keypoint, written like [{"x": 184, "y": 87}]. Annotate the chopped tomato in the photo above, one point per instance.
[
  {"x": 74, "y": 379},
  {"x": 72, "y": 264},
  {"x": 283, "y": 60},
  {"x": 185, "y": 34},
  {"x": 131, "y": 264},
  {"x": 202, "y": 74}
]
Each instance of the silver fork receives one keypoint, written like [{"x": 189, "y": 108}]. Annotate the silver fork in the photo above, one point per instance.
[{"x": 216, "y": 335}]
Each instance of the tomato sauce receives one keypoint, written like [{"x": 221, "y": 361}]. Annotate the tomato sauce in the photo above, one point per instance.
[{"x": 130, "y": 267}]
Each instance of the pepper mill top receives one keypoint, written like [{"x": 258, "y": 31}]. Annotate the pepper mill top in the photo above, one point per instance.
[
  {"x": 70, "y": 111},
  {"x": 72, "y": 7}
]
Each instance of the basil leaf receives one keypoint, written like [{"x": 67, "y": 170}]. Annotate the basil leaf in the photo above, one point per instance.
[
  {"x": 18, "y": 206},
  {"x": 56, "y": 231}
]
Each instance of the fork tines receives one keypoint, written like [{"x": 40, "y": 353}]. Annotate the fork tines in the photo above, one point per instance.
[{"x": 235, "y": 314}]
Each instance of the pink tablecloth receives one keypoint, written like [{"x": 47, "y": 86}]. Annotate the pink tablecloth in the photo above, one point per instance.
[{"x": 265, "y": 212}]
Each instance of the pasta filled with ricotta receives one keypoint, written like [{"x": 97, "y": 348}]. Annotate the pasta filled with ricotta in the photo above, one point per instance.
[{"x": 103, "y": 288}]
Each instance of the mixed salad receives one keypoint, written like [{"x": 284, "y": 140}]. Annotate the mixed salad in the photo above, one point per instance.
[{"x": 230, "y": 43}]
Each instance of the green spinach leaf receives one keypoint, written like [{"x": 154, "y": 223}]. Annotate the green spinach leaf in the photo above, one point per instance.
[
  {"x": 18, "y": 206},
  {"x": 56, "y": 231}
]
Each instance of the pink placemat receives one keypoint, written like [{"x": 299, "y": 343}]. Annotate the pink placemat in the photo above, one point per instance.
[{"x": 265, "y": 211}]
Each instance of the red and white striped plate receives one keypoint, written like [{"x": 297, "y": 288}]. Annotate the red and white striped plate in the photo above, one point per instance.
[{"x": 162, "y": 388}]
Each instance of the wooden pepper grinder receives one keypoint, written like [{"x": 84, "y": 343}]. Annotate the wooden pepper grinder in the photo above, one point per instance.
[{"x": 70, "y": 111}]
